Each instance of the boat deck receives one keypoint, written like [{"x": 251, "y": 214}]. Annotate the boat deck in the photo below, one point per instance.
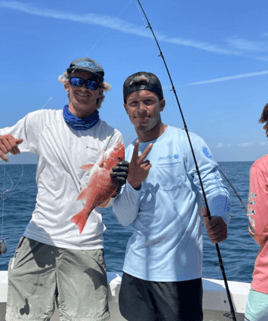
[{"x": 215, "y": 302}]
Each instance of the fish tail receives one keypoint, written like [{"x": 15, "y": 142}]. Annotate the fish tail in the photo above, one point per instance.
[{"x": 80, "y": 219}]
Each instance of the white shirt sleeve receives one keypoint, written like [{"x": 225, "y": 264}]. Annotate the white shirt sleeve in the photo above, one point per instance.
[{"x": 29, "y": 129}]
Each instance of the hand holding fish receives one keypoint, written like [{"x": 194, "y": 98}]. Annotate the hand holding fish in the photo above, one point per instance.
[
  {"x": 101, "y": 186},
  {"x": 8, "y": 144},
  {"x": 216, "y": 227},
  {"x": 138, "y": 167},
  {"x": 120, "y": 173}
]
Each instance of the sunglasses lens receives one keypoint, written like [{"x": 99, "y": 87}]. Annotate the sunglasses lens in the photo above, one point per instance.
[
  {"x": 92, "y": 84},
  {"x": 76, "y": 82}
]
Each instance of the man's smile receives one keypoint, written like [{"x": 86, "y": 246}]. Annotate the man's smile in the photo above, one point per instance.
[{"x": 83, "y": 95}]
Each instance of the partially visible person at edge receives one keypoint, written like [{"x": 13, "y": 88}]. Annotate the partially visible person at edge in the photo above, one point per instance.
[
  {"x": 53, "y": 262},
  {"x": 162, "y": 200},
  {"x": 257, "y": 302}
]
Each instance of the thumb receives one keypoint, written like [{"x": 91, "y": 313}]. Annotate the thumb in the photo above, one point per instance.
[{"x": 19, "y": 141}]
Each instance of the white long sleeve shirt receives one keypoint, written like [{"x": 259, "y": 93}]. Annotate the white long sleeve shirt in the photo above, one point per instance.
[{"x": 167, "y": 242}]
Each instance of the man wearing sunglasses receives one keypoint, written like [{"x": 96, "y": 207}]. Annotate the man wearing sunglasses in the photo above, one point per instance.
[{"x": 53, "y": 262}]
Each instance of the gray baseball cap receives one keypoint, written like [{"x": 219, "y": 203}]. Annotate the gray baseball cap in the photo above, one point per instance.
[{"x": 87, "y": 65}]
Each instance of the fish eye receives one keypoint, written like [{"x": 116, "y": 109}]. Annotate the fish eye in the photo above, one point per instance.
[{"x": 119, "y": 158}]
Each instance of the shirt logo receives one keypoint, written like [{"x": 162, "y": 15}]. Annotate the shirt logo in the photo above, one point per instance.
[
  {"x": 207, "y": 152},
  {"x": 168, "y": 160}
]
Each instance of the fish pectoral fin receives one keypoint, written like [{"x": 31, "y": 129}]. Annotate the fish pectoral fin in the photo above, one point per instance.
[
  {"x": 83, "y": 195},
  {"x": 87, "y": 167}
]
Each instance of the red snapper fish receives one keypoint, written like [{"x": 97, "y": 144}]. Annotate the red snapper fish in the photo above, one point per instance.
[{"x": 101, "y": 187}]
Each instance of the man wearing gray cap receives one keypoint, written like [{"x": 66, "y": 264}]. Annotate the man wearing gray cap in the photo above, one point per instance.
[
  {"x": 162, "y": 200},
  {"x": 53, "y": 262}
]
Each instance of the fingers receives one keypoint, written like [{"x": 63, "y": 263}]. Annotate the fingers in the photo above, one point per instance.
[
  {"x": 3, "y": 157},
  {"x": 220, "y": 237},
  {"x": 123, "y": 163},
  {"x": 216, "y": 229},
  {"x": 8, "y": 144},
  {"x": 135, "y": 155},
  {"x": 138, "y": 167},
  {"x": 146, "y": 165},
  {"x": 146, "y": 152},
  {"x": 120, "y": 172},
  {"x": 120, "y": 177}
]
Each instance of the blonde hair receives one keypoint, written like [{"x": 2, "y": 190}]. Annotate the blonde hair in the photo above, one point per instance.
[{"x": 64, "y": 79}]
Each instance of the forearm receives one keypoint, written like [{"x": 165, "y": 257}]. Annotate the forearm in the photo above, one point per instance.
[
  {"x": 126, "y": 205},
  {"x": 18, "y": 131}
]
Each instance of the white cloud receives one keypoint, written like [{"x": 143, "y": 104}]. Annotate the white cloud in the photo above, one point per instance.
[
  {"x": 116, "y": 24},
  {"x": 247, "y": 45},
  {"x": 235, "y": 45},
  {"x": 262, "y": 143},
  {"x": 90, "y": 18},
  {"x": 219, "y": 145},
  {"x": 240, "y": 76},
  {"x": 245, "y": 144}
]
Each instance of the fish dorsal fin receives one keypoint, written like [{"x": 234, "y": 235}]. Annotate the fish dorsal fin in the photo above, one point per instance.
[
  {"x": 83, "y": 195},
  {"x": 87, "y": 167}
]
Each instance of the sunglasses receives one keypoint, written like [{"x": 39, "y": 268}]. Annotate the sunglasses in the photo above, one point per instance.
[{"x": 90, "y": 84}]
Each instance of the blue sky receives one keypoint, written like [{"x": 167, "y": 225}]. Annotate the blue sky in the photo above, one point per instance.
[{"x": 217, "y": 53}]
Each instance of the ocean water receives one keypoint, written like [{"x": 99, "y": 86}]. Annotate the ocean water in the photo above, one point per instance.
[{"x": 238, "y": 251}]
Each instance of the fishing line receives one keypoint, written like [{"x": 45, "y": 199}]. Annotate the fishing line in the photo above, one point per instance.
[
  {"x": 107, "y": 31},
  {"x": 46, "y": 102},
  {"x": 234, "y": 189},
  {"x": 196, "y": 165},
  {"x": 3, "y": 248}
]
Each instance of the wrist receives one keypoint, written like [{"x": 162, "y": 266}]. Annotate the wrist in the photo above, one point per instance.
[{"x": 135, "y": 185}]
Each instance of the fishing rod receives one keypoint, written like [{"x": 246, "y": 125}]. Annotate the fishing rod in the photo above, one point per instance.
[
  {"x": 196, "y": 165},
  {"x": 234, "y": 189}
]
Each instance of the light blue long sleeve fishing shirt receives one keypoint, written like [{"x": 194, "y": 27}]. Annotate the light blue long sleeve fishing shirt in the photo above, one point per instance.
[{"x": 167, "y": 242}]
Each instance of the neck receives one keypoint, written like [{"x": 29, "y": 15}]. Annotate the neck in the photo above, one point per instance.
[
  {"x": 154, "y": 133},
  {"x": 80, "y": 123},
  {"x": 80, "y": 112}
]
